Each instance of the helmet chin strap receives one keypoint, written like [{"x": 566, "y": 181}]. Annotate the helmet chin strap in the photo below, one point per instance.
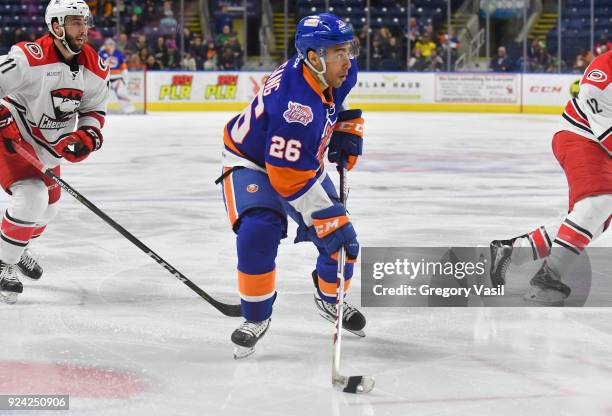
[
  {"x": 65, "y": 42},
  {"x": 320, "y": 74}
]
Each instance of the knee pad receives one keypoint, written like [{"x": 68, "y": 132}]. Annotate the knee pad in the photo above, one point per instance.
[
  {"x": 592, "y": 212},
  {"x": 49, "y": 214},
  {"x": 30, "y": 198},
  {"x": 257, "y": 240}
]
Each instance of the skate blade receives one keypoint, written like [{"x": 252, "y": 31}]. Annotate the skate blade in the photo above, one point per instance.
[
  {"x": 548, "y": 297},
  {"x": 242, "y": 352},
  {"x": 359, "y": 333},
  {"x": 354, "y": 384},
  {"x": 8, "y": 297}
]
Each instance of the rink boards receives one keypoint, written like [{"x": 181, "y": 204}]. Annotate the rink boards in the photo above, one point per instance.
[{"x": 375, "y": 91}]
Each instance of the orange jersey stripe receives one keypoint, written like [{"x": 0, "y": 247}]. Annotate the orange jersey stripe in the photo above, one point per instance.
[
  {"x": 329, "y": 289},
  {"x": 287, "y": 181},
  {"x": 228, "y": 190},
  {"x": 314, "y": 84},
  {"x": 354, "y": 126},
  {"x": 227, "y": 140},
  {"x": 326, "y": 226},
  {"x": 256, "y": 284}
]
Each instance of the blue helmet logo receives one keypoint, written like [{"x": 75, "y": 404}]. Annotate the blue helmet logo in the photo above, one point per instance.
[{"x": 320, "y": 31}]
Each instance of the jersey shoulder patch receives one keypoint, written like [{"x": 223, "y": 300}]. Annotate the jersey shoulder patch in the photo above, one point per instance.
[
  {"x": 93, "y": 62},
  {"x": 599, "y": 72},
  {"x": 41, "y": 52}
]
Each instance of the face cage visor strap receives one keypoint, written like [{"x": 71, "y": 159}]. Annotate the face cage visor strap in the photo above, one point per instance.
[
  {"x": 62, "y": 39},
  {"x": 320, "y": 74}
]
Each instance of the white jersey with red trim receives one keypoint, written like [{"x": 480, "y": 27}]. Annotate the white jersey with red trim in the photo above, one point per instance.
[
  {"x": 45, "y": 94},
  {"x": 590, "y": 114}
]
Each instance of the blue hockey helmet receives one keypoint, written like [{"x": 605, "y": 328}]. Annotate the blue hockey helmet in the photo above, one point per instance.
[{"x": 319, "y": 31}]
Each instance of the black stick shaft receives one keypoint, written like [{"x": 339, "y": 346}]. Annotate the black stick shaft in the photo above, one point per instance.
[{"x": 226, "y": 309}]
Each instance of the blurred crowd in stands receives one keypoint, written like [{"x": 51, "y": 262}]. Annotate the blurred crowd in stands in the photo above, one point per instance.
[
  {"x": 149, "y": 34},
  {"x": 160, "y": 48}
]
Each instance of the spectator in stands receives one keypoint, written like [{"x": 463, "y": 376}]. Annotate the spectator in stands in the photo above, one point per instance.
[
  {"x": 153, "y": 64},
  {"x": 538, "y": 56},
  {"x": 135, "y": 46},
  {"x": 223, "y": 37},
  {"x": 198, "y": 51},
  {"x": 426, "y": 45},
  {"x": 108, "y": 10},
  {"x": 450, "y": 41},
  {"x": 171, "y": 41},
  {"x": 603, "y": 45},
  {"x": 211, "y": 56},
  {"x": 173, "y": 59},
  {"x": 93, "y": 7},
  {"x": 415, "y": 30},
  {"x": 376, "y": 54},
  {"x": 429, "y": 30},
  {"x": 188, "y": 36},
  {"x": 122, "y": 42},
  {"x": 159, "y": 50},
  {"x": 134, "y": 24},
  {"x": 222, "y": 19},
  {"x": 501, "y": 62},
  {"x": 189, "y": 62},
  {"x": 554, "y": 64},
  {"x": 393, "y": 55},
  {"x": 417, "y": 61},
  {"x": 20, "y": 35},
  {"x": 436, "y": 62},
  {"x": 227, "y": 60},
  {"x": 142, "y": 57},
  {"x": 581, "y": 62},
  {"x": 168, "y": 23}
]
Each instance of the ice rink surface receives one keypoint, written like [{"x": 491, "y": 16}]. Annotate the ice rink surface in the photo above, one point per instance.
[{"x": 110, "y": 327}]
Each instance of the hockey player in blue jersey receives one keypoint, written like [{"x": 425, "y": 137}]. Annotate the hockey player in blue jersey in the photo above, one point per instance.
[
  {"x": 118, "y": 74},
  {"x": 273, "y": 167}
]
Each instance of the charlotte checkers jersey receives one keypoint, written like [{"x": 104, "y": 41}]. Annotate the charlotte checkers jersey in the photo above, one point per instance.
[
  {"x": 590, "y": 114},
  {"x": 116, "y": 63},
  {"x": 45, "y": 94},
  {"x": 285, "y": 132}
]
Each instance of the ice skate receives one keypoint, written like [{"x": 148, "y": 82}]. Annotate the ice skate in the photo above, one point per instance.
[
  {"x": 501, "y": 254},
  {"x": 10, "y": 286},
  {"x": 29, "y": 267},
  {"x": 247, "y": 335},
  {"x": 547, "y": 288},
  {"x": 352, "y": 321}
]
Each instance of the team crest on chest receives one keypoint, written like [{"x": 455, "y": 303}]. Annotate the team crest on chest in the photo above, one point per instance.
[
  {"x": 298, "y": 113},
  {"x": 66, "y": 101}
]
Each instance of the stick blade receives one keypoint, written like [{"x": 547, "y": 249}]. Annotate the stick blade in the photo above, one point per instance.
[{"x": 354, "y": 384}]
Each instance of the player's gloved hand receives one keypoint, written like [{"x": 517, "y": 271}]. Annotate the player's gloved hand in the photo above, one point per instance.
[
  {"x": 76, "y": 146},
  {"x": 333, "y": 227},
  {"x": 346, "y": 141},
  {"x": 8, "y": 129}
]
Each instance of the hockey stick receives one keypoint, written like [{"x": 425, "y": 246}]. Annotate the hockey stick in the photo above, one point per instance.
[
  {"x": 225, "y": 309},
  {"x": 348, "y": 384}
]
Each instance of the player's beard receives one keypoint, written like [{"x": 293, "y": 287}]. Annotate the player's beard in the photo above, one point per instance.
[{"x": 72, "y": 43}]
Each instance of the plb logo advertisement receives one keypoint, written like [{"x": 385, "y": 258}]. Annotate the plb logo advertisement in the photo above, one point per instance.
[
  {"x": 180, "y": 89},
  {"x": 224, "y": 89}
]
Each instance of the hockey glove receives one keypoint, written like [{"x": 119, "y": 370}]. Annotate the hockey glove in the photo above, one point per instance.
[
  {"x": 8, "y": 129},
  {"x": 334, "y": 229},
  {"x": 76, "y": 146},
  {"x": 346, "y": 142}
]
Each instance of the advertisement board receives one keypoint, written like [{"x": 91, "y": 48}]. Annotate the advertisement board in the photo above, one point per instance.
[
  {"x": 374, "y": 91},
  {"x": 477, "y": 88}
]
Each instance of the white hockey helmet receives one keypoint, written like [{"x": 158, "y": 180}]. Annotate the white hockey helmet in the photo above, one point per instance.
[{"x": 60, "y": 9}]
